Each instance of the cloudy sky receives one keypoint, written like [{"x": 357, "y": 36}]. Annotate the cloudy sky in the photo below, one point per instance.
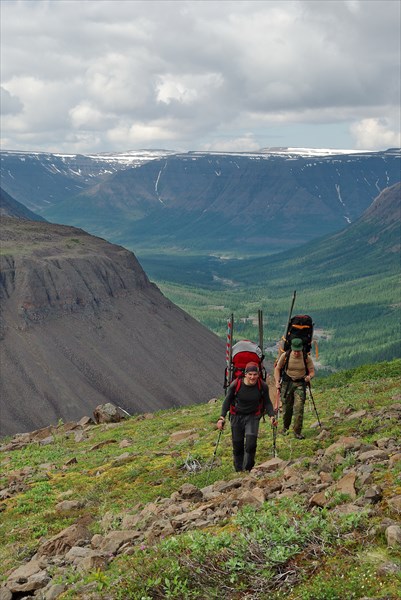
[{"x": 99, "y": 76}]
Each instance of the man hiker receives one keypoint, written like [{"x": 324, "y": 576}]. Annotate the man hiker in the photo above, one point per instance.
[
  {"x": 248, "y": 400},
  {"x": 292, "y": 374}
]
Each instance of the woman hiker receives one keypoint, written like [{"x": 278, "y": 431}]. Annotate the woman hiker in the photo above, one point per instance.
[{"x": 248, "y": 400}]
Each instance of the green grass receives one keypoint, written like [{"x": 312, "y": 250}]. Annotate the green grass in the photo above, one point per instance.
[
  {"x": 321, "y": 552},
  {"x": 357, "y": 321}
]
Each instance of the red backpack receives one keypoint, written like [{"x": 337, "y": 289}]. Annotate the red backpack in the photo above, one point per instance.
[{"x": 244, "y": 352}]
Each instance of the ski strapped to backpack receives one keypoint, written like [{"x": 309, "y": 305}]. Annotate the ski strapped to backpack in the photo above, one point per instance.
[
  {"x": 241, "y": 353},
  {"x": 228, "y": 373}
]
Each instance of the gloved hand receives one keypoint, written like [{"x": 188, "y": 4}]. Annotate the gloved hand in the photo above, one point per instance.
[{"x": 220, "y": 423}]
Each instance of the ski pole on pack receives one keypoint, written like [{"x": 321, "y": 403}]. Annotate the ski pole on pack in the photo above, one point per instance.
[
  {"x": 260, "y": 322},
  {"x": 214, "y": 455},
  {"x": 290, "y": 313},
  {"x": 229, "y": 352},
  {"x": 313, "y": 402}
]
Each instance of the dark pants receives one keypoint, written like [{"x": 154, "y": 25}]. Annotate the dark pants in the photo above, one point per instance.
[
  {"x": 244, "y": 433},
  {"x": 293, "y": 404}
]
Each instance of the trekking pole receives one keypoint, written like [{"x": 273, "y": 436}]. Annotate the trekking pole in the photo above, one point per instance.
[
  {"x": 214, "y": 455},
  {"x": 313, "y": 402},
  {"x": 274, "y": 441},
  {"x": 277, "y": 411}
]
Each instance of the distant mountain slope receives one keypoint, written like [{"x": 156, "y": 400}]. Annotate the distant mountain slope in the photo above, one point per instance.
[
  {"x": 349, "y": 282},
  {"x": 81, "y": 325},
  {"x": 11, "y": 208},
  {"x": 230, "y": 203},
  {"x": 41, "y": 179},
  {"x": 252, "y": 203},
  {"x": 369, "y": 246}
]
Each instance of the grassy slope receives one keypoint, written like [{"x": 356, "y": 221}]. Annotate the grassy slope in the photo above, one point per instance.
[
  {"x": 156, "y": 470},
  {"x": 348, "y": 282}
]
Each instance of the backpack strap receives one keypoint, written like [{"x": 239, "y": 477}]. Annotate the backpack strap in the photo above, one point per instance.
[
  {"x": 305, "y": 356},
  {"x": 238, "y": 383}
]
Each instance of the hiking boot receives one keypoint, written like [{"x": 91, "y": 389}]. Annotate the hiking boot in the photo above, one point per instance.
[
  {"x": 284, "y": 431},
  {"x": 299, "y": 436}
]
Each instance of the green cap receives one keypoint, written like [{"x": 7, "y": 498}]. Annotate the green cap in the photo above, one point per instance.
[{"x": 296, "y": 344}]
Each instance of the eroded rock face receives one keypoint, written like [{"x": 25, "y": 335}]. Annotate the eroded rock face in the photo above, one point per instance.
[{"x": 81, "y": 325}]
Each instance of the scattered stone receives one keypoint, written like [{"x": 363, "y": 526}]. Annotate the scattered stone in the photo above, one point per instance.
[
  {"x": 28, "y": 578},
  {"x": 395, "y": 503},
  {"x": 63, "y": 541},
  {"x": 342, "y": 445},
  {"x": 115, "y": 539},
  {"x": 190, "y": 492},
  {"x": 373, "y": 494},
  {"x": 107, "y": 413},
  {"x": 102, "y": 444},
  {"x": 80, "y": 436},
  {"x": 373, "y": 455},
  {"x": 326, "y": 477},
  {"x": 319, "y": 499},
  {"x": 179, "y": 436},
  {"x": 5, "y": 594},
  {"x": 274, "y": 464},
  {"x": 52, "y": 592},
  {"x": 356, "y": 415},
  {"x": 323, "y": 435},
  {"x": 394, "y": 458},
  {"x": 393, "y": 536},
  {"x": 67, "y": 505},
  {"x": 85, "y": 421},
  {"x": 346, "y": 485}
]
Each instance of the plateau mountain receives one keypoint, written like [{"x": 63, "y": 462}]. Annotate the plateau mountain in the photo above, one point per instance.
[
  {"x": 230, "y": 203},
  {"x": 81, "y": 324}
]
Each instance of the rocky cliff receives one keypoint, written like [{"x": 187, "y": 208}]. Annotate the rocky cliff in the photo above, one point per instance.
[{"x": 81, "y": 324}]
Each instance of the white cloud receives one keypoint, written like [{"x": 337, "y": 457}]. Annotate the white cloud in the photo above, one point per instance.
[
  {"x": 375, "y": 134},
  {"x": 10, "y": 105},
  {"x": 246, "y": 143},
  {"x": 188, "y": 73}
]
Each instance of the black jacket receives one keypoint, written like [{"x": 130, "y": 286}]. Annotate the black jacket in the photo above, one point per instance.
[{"x": 248, "y": 399}]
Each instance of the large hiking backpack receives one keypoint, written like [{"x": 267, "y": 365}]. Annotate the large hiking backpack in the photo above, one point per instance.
[
  {"x": 244, "y": 352},
  {"x": 299, "y": 326},
  {"x": 241, "y": 353}
]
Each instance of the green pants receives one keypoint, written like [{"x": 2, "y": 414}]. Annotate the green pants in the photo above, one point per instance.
[{"x": 293, "y": 404}]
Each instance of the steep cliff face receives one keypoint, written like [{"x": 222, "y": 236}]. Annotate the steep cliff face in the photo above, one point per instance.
[{"x": 81, "y": 324}]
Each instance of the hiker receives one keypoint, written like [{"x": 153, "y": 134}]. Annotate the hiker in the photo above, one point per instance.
[
  {"x": 247, "y": 400},
  {"x": 292, "y": 373}
]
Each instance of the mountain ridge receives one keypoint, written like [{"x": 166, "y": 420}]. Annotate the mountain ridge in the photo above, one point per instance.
[{"x": 238, "y": 202}]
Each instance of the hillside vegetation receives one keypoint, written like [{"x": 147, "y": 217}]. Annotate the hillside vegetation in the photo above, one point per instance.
[
  {"x": 160, "y": 486},
  {"x": 348, "y": 283}
]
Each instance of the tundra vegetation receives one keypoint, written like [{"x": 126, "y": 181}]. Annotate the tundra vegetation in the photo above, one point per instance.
[{"x": 284, "y": 547}]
